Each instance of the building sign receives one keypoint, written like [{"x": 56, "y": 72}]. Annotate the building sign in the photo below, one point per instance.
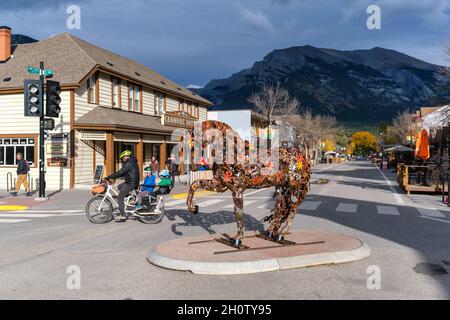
[
  {"x": 59, "y": 148},
  {"x": 178, "y": 119},
  {"x": 57, "y": 136},
  {"x": 57, "y": 162}
]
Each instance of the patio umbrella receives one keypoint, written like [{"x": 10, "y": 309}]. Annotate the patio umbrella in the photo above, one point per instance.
[
  {"x": 399, "y": 148},
  {"x": 423, "y": 145}
]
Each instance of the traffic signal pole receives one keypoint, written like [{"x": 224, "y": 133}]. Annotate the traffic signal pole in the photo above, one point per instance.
[{"x": 41, "y": 137}]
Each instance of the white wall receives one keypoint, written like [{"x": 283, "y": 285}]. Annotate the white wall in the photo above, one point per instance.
[{"x": 239, "y": 120}]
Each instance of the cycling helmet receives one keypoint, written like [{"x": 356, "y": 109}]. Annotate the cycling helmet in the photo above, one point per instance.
[
  {"x": 165, "y": 173},
  {"x": 126, "y": 153}
]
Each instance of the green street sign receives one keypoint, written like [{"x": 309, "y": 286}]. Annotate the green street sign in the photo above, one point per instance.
[
  {"x": 48, "y": 72},
  {"x": 34, "y": 70}
]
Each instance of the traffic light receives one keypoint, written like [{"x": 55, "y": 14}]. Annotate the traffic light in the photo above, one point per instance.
[
  {"x": 53, "y": 99},
  {"x": 32, "y": 98}
]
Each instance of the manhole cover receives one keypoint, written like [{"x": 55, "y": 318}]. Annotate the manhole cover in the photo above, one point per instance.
[{"x": 430, "y": 269}]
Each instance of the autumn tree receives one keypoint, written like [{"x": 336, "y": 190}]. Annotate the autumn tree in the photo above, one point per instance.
[{"x": 363, "y": 143}]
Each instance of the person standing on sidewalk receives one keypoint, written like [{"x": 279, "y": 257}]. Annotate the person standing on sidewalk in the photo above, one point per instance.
[
  {"x": 22, "y": 175},
  {"x": 154, "y": 164},
  {"x": 172, "y": 167}
]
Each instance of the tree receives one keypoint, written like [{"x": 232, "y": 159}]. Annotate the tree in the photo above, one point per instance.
[
  {"x": 402, "y": 126},
  {"x": 363, "y": 143},
  {"x": 273, "y": 101},
  {"x": 310, "y": 130}
]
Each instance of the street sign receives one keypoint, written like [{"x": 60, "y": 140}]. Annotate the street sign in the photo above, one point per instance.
[
  {"x": 34, "y": 70},
  {"x": 48, "y": 72}
]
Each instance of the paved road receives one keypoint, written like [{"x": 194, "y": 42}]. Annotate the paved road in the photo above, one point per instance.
[{"x": 407, "y": 239}]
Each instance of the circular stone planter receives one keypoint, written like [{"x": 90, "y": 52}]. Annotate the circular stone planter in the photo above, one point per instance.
[{"x": 204, "y": 255}]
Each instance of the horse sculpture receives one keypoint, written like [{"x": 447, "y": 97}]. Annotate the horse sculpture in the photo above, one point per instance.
[{"x": 291, "y": 182}]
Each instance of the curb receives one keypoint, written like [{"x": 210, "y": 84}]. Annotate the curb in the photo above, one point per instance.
[
  {"x": 13, "y": 208},
  {"x": 266, "y": 265},
  {"x": 180, "y": 196}
]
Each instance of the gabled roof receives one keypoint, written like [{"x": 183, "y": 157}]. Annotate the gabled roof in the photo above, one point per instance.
[
  {"x": 104, "y": 117},
  {"x": 73, "y": 59}
]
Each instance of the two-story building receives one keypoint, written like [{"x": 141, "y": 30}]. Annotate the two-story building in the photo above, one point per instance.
[{"x": 109, "y": 104}]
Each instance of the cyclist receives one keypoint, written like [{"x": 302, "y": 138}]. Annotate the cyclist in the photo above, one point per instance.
[{"x": 130, "y": 170}]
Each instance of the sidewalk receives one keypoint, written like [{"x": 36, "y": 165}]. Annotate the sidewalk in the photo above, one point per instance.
[
  {"x": 424, "y": 200},
  {"x": 66, "y": 199}
]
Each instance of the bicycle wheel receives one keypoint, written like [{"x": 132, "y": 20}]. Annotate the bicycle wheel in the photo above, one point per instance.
[
  {"x": 98, "y": 215},
  {"x": 153, "y": 218}
]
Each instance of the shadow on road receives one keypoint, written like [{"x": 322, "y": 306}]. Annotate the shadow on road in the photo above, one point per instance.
[
  {"x": 428, "y": 235},
  {"x": 208, "y": 220}
]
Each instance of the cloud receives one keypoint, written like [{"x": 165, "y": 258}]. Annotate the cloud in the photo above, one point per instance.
[
  {"x": 194, "y": 86},
  {"x": 256, "y": 19}
]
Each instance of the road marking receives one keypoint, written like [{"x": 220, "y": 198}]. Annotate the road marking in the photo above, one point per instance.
[
  {"x": 266, "y": 205},
  {"x": 396, "y": 195},
  {"x": 31, "y": 215},
  {"x": 197, "y": 194},
  {"x": 12, "y": 208},
  {"x": 255, "y": 191},
  {"x": 388, "y": 210},
  {"x": 347, "y": 207},
  {"x": 12, "y": 220},
  {"x": 49, "y": 211},
  {"x": 208, "y": 203},
  {"x": 246, "y": 203},
  {"x": 310, "y": 205},
  {"x": 433, "y": 213},
  {"x": 325, "y": 169},
  {"x": 174, "y": 203}
]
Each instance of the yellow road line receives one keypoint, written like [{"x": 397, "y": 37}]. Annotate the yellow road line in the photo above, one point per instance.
[
  {"x": 197, "y": 194},
  {"x": 13, "y": 208}
]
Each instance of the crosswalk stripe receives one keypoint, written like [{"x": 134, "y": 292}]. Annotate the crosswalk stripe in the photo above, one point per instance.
[
  {"x": 434, "y": 213},
  {"x": 208, "y": 203},
  {"x": 174, "y": 203},
  {"x": 30, "y": 215},
  {"x": 266, "y": 205},
  {"x": 347, "y": 207},
  {"x": 13, "y": 220},
  {"x": 390, "y": 210},
  {"x": 246, "y": 203},
  {"x": 310, "y": 205}
]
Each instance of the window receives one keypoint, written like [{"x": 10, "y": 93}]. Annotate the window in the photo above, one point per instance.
[
  {"x": 9, "y": 147},
  {"x": 159, "y": 103},
  {"x": 181, "y": 105},
  {"x": 115, "y": 93},
  {"x": 92, "y": 92},
  {"x": 134, "y": 97}
]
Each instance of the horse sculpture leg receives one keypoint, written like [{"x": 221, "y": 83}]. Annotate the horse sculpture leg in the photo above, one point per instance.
[
  {"x": 209, "y": 185},
  {"x": 238, "y": 199}
]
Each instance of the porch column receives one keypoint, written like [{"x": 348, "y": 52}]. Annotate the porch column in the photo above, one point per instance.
[
  {"x": 140, "y": 156},
  {"x": 110, "y": 160},
  {"x": 162, "y": 155}
]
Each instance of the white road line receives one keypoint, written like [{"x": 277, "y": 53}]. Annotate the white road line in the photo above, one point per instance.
[
  {"x": 208, "y": 203},
  {"x": 30, "y": 215},
  {"x": 433, "y": 213},
  {"x": 390, "y": 210},
  {"x": 310, "y": 205},
  {"x": 49, "y": 211},
  {"x": 12, "y": 220},
  {"x": 396, "y": 195},
  {"x": 266, "y": 205},
  {"x": 253, "y": 192},
  {"x": 174, "y": 203},
  {"x": 246, "y": 203},
  {"x": 347, "y": 207}
]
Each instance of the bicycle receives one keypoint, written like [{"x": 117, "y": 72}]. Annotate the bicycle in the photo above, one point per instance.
[{"x": 101, "y": 207}]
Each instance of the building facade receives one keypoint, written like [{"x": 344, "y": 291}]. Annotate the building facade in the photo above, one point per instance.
[{"x": 109, "y": 104}]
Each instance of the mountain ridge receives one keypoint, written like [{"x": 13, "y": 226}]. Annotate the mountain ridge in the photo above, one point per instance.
[{"x": 375, "y": 83}]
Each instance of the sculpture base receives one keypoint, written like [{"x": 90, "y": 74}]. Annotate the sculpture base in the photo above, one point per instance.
[{"x": 211, "y": 255}]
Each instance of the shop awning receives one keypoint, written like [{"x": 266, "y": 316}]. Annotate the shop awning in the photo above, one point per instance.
[{"x": 109, "y": 119}]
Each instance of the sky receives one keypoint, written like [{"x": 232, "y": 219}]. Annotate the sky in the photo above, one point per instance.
[{"x": 194, "y": 41}]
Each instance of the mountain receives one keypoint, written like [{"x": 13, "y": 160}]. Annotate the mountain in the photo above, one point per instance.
[
  {"x": 21, "y": 39},
  {"x": 354, "y": 86}
]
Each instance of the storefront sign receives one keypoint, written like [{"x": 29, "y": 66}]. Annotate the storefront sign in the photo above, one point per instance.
[
  {"x": 178, "y": 119},
  {"x": 59, "y": 148},
  {"x": 57, "y": 162},
  {"x": 57, "y": 136}
]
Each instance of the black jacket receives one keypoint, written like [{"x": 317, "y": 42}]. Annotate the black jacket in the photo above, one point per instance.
[
  {"x": 130, "y": 171},
  {"x": 22, "y": 167}
]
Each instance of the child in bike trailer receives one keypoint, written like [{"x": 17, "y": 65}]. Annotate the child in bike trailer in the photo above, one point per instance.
[{"x": 164, "y": 185}]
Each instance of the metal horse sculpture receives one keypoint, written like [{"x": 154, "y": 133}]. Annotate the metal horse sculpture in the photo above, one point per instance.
[{"x": 291, "y": 183}]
